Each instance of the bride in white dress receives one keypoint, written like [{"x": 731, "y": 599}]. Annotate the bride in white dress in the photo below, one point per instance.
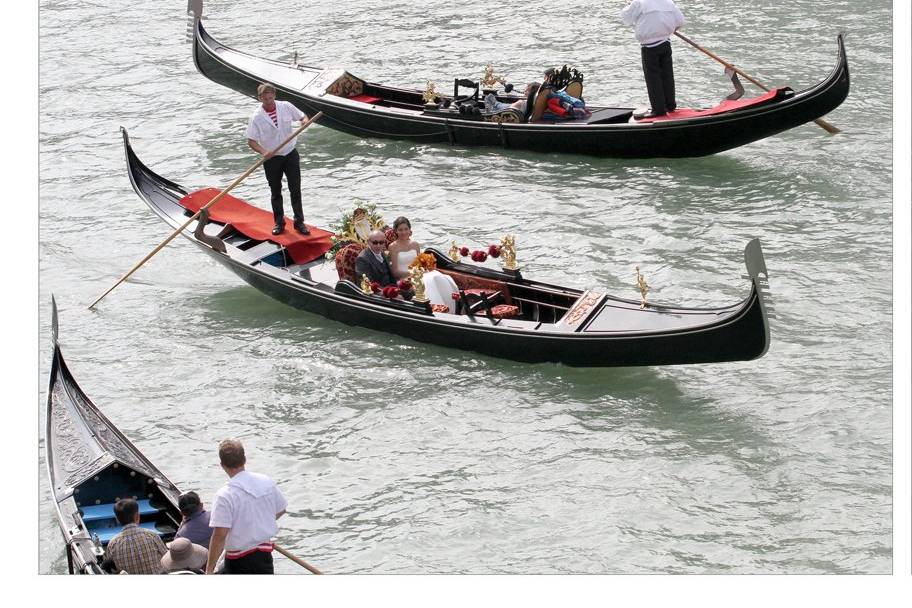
[{"x": 437, "y": 286}]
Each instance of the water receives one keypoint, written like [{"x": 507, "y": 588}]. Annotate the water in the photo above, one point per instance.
[{"x": 398, "y": 457}]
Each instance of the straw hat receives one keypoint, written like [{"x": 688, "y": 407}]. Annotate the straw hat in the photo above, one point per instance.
[{"x": 184, "y": 554}]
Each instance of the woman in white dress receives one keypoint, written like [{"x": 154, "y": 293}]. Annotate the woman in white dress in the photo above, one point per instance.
[{"x": 438, "y": 287}]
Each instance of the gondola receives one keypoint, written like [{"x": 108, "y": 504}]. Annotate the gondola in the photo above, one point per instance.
[
  {"x": 90, "y": 466},
  {"x": 548, "y": 323},
  {"x": 365, "y": 109}
]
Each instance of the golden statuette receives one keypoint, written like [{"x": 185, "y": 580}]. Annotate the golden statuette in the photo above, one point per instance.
[
  {"x": 454, "y": 252},
  {"x": 366, "y": 285},
  {"x": 489, "y": 79},
  {"x": 644, "y": 288},
  {"x": 430, "y": 93},
  {"x": 416, "y": 275},
  {"x": 508, "y": 251}
]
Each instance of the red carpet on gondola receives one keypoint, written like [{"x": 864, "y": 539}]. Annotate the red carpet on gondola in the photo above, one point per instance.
[
  {"x": 725, "y": 106},
  {"x": 257, "y": 223}
]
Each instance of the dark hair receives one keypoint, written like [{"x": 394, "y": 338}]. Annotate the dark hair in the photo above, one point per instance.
[
  {"x": 125, "y": 511},
  {"x": 231, "y": 453},
  {"x": 401, "y": 220},
  {"x": 189, "y": 503}
]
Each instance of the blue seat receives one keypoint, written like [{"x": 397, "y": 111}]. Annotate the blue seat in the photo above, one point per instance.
[{"x": 102, "y": 512}]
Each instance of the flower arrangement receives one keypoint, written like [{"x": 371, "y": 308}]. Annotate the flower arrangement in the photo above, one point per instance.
[
  {"x": 494, "y": 251},
  {"x": 390, "y": 292},
  {"x": 479, "y": 256},
  {"x": 362, "y": 219},
  {"x": 375, "y": 286},
  {"x": 426, "y": 261},
  {"x": 404, "y": 285}
]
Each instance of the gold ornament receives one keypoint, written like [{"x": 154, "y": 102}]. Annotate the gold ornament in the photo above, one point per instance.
[
  {"x": 416, "y": 275},
  {"x": 508, "y": 251},
  {"x": 643, "y": 287},
  {"x": 430, "y": 93},
  {"x": 489, "y": 79},
  {"x": 454, "y": 252},
  {"x": 366, "y": 285}
]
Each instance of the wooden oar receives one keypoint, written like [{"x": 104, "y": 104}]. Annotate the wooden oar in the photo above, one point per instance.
[
  {"x": 295, "y": 558},
  {"x": 216, "y": 199},
  {"x": 820, "y": 122}
]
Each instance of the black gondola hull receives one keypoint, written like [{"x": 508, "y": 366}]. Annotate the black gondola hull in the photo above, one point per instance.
[{"x": 680, "y": 138}]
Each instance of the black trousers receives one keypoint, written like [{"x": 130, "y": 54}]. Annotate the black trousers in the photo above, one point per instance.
[
  {"x": 290, "y": 166},
  {"x": 660, "y": 80},
  {"x": 258, "y": 562}
]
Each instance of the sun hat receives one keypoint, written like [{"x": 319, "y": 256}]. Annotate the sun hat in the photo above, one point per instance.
[{"x": 184, "y": 554}]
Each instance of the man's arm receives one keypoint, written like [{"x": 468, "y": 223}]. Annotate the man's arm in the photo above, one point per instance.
[
  {"x": 256, "y": 147},
  {"x": 631, "y": 13},
  {"x": 216, "y": 545}
]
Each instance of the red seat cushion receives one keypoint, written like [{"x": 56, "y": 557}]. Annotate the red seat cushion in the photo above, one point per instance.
[
  {"x": 345, "y": 261},
  {"x": 365, "y": 98},
  {"x": 502, "y": 311}
]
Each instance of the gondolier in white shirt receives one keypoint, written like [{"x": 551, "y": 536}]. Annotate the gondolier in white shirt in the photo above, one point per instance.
[
  {"x": 243, "y": 516},
  {"x": 655, "y": 21},
  {"x": 269, "y": 126}
]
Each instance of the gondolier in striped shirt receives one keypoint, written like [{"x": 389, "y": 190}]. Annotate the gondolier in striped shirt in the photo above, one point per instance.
[
  {"x": 269, "y": 126},
  {"x": 243, "y": 516}
]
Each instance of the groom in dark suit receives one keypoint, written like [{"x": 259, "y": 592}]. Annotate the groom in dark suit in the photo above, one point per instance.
[{"x": 372, "y": 263}]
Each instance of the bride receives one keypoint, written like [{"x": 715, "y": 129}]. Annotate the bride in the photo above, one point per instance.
[{"x": 438, "y": 287}]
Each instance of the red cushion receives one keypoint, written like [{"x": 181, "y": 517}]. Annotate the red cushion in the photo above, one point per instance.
[
  {"x": 345, "y": 261},
  {"x": 440, "y": 308},
  {"x": 365, "y": 98},
  {"x": 502, "y": 311}
]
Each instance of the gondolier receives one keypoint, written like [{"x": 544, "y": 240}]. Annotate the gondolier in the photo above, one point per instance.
[
  {"x": 655, "y": 21},
  {"x": 243, "y": 516},
  {"x": 269, "y": 126}
]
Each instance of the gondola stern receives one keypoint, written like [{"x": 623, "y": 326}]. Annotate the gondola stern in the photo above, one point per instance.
[{"x": 759, "y": 276}]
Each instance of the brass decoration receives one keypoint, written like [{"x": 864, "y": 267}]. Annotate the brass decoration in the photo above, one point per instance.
[
  {"x": 644, "y": 288},
  {"x": 454, "y": 252},
  {"x": 430, "y": 93},
  {"x": 366, "y": 286},
  {"x": 416, "y": 275},
  {"x": 508, "y": 251},
  {"x": 582, "y": 308},
  {"x": 489, "y": 79}
]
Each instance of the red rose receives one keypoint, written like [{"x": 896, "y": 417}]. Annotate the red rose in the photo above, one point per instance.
[
  {"x": 479, "y": 256},
  {"x": 494, "y": 251},
  {"x": 404, "y": 285},
  {"x": 455, "y": 295},
  {"x": 463, "y": 251},
  {"x": 390, "y": 292},
  {"x": 375, "y": 286}
]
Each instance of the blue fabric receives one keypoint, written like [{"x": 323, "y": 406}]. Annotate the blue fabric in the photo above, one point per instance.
[{"x": 573, "y": 101}]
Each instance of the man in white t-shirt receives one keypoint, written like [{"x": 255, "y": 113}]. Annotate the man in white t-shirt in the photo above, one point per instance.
[
  {"x": 243, "y": 516},
  {"x": 655, "y": 21},
  {"x": 269, "y": 126}
]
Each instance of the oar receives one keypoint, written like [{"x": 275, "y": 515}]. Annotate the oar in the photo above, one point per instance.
[
  {"x": 216, "y": 199},
  {"x": 295, "y": 558},
  {"x": 820, "y": 122}
]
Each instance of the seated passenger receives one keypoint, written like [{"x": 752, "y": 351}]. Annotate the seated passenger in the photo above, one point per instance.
[
  {"x": 372, "y": 262},
  {"x": 493, "y": 105},
  {"x": 134, "y": 550},
  {"x": 194, "y": 524},
  {"x": 403, "y": 250},
  {"x": 184, "y": 555}
]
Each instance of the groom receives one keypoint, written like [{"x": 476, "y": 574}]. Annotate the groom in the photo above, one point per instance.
[{"x": 372, "y": 263}]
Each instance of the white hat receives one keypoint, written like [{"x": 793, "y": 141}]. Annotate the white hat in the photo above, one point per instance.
[{"x": 184, "y": 554}]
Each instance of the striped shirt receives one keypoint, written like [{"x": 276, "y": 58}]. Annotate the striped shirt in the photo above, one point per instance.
[
  {"x": 275, "y": 118},
  {"x": 137, "y": 551}
]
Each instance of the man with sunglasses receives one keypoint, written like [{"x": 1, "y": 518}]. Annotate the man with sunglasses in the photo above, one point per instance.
[{"x": 372, "y": 263}]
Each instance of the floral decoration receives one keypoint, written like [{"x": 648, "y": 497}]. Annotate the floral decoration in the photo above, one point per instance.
[
  {"x": 479, "y": 256},
  {"x": 463, "y": 251},
  {"x": 390, "y": 291},
  {"x": 404, "y": 285},
  {"x": 427, "y": 261},
  {"x": 344, "y": 229},
  {"x": 375, "y": 286}
]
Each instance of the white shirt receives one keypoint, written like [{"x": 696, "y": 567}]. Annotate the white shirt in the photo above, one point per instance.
[
  {"x": 262, "y": 130},
  {"x": 655, "y": 20},
  {"x": 248, "y": 505}
]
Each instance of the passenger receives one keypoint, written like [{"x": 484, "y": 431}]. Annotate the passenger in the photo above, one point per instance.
[
  {"x": 372, "y": 263},
  {"x": 134, "y": 550},
  {"x": 403, "y": 250},
  {"x": 194, "y": 525},
  {"x": 493, "y": 105},
  {"x": 244, "y": 515},
  {"x": 184, "y": 555}
]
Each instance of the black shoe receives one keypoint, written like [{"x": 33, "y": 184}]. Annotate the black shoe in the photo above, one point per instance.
[
  {"x": 647, "y": 114},
  {"x": 300, "y": 227},
  {"x": 279, "y": 229}
]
